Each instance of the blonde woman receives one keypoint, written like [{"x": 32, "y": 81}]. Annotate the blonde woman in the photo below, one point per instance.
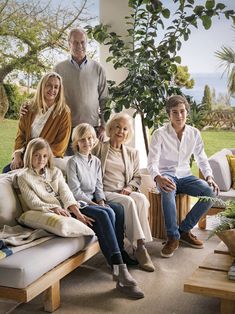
[
  {"x": 121, "y": 180},
  {"x": 46, "y": 116}
]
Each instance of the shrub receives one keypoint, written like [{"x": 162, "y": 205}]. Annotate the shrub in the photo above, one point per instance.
[{"x": 15, "y": 98}]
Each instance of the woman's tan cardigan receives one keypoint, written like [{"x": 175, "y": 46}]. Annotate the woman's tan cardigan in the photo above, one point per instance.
[{"x": 56, "y": 131}]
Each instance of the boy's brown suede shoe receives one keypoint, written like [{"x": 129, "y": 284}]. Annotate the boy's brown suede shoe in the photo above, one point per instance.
[
  {"x": 191, "y": 240},
  {"x": 169, "y": 248}
]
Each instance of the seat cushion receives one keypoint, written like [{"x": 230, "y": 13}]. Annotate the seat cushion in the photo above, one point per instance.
[
  {"x": 24, "y": 267},
  {"x": 228, "y": 195},
  {"x": 220, "y": 167}
]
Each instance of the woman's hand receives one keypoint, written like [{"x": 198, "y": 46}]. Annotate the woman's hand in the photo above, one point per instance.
[
  {"x": 83, "y": 218},
  {"x": 17, "y": 161},
  {"x": 101, "y": 203},
  {"x": 165, "y": 183},
  {"x": 61, "y": 211},
  {"x": 24, "y": 109},
  {"x": 126, "y": 191}
]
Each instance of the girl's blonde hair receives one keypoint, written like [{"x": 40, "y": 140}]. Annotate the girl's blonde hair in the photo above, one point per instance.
[
  {"x": 82, "y": 130},
  {"x": 33, "y": 146},
  {"x": 119, "y": 116},
  {"x": 39, "y": 102}
]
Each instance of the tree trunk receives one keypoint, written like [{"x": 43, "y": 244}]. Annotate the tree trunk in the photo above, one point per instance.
[
  {"x": 4, "y": 104},
  {"x": 146, "y": 143}
]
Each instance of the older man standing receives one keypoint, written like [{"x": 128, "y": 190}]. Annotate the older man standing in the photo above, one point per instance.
[{"x": 85, "y": 84}]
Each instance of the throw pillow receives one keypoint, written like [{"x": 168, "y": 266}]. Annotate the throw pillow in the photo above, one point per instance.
[
  {"x": 57, "y": 224},
  {"x": 231, "y": 161}
]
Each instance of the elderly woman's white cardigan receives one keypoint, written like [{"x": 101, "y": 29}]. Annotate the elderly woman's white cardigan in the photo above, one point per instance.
[{"x": 130, "y": 158}]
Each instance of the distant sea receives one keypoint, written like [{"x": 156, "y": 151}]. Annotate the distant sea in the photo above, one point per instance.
[{"x": 214, "y": 80}]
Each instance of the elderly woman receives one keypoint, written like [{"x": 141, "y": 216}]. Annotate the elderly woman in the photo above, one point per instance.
[
  {"x": 46, "y": 116},
  {"x": 121, "y": 181}
]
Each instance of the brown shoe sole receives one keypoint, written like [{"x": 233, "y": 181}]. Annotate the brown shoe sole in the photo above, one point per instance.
[
  {"x": 169, "y": 255},
  {"x": 195, "y": 246}
]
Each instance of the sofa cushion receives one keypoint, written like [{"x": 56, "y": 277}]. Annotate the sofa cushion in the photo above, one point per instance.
[
  {"x": 57, "y": 224},
  {"x": 10, "y": 208},
  {"x": 220, "y": 168},
  {"x": 22, "y": 268},
  {"x": 228, "y": 195},
  {"x": 61, "y": 163}
]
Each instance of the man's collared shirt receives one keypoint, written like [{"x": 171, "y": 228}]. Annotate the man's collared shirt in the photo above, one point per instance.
[
  {"x": 169, "y": 155},
  {"x": 77, "y": 66}
]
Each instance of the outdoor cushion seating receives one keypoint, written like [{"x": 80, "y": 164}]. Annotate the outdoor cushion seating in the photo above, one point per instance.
[{"x": 222, "y": 176}]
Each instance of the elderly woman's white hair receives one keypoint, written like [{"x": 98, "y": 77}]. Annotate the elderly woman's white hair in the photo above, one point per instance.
[{"x": 121, "y": 116}]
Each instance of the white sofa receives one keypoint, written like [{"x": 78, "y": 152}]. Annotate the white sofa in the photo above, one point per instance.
[
  {"x": 222, "y": 175},
  {"x": 27, "y": 273}
]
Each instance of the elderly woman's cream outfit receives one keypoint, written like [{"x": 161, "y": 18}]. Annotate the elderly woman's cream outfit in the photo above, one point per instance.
[{"x": 120, "y": 168}]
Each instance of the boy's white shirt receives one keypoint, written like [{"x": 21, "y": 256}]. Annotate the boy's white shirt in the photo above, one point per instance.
[{"x": 169, "y": 155}]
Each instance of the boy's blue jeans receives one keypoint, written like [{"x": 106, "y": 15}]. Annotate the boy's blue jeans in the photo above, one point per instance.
[
  {"x": 192, "y": 186},
  {"x": 104, "y": 227}
]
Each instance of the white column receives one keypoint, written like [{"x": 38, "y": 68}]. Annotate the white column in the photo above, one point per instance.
[{"x": 113, "y": 12}]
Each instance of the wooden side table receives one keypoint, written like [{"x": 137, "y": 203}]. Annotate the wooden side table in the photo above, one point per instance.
[
  {"x": 211, "y": 279},
  {"x": 156, "y": 219}
]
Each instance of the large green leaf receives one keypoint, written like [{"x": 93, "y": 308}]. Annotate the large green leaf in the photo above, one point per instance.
[
  {"x": 210, "y": 4},
  {"x": 206, "y": 21}
]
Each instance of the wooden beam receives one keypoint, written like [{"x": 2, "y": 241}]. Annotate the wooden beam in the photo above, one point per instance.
[{"x": 51, "y": 298}]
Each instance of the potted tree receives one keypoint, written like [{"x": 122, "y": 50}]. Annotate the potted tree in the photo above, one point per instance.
[{"x": 150, "y": 53}]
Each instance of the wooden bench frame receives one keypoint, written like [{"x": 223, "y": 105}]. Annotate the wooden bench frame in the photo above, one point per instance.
[
  {"x": 211, "y": 279},
  {"x": 49, "y": 283}
]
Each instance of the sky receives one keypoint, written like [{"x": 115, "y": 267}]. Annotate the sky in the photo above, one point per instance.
[{"x": 199, "y": 51}]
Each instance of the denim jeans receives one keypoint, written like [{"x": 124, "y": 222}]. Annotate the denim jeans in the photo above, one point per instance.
[
  {"x": 192, "y": 186},
  {"x": 6, "y": 169},
  {"x": 104, "y": 228},
  {"x": 119, "y": 223}
]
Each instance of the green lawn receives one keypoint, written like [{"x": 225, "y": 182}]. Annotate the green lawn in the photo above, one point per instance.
[
  {"x": 214, "y": 141},
  {"x": 8, "y": 130}
]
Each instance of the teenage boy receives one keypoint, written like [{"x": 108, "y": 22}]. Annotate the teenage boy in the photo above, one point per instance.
[{"x": 169, "y": 164}]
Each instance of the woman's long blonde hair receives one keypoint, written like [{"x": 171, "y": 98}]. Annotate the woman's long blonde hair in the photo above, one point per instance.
[{"x": 39, "y": 103}]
